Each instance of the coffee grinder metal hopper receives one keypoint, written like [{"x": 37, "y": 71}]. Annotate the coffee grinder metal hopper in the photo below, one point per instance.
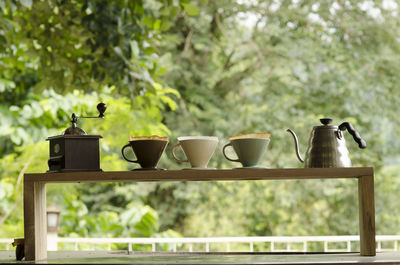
[{"x": 75, "y": 150}]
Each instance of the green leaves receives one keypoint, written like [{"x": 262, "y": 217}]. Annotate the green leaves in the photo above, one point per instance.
[
  {"x": 26, "y": 3},
  {"x": 284, "y": 69},
  {"x": 190, "y": 9},
  {"x": 197, "y": 68}
]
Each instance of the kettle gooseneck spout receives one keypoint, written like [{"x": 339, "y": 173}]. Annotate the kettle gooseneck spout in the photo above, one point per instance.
[{"x": 296, "y": 142}]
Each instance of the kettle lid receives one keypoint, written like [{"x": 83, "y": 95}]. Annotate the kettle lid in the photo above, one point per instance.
[{"x": 326, "y": 124}]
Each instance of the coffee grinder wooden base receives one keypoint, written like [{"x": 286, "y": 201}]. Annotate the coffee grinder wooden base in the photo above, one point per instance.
[{"x": 74, "y": 153}]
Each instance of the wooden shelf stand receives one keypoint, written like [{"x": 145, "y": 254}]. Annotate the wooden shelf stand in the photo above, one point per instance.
[{"x": 35, "y": 194}]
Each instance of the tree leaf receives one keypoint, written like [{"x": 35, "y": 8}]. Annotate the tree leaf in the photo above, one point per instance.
[
  {"x": 26, "y": 3},
  {"x": 191, "y": 10}
]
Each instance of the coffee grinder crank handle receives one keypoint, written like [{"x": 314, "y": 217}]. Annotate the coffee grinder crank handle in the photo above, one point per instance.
[{"x": 101, "y": 107}]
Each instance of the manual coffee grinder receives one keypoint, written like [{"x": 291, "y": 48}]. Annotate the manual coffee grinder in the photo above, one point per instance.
[{"x": 75, "y": 150}]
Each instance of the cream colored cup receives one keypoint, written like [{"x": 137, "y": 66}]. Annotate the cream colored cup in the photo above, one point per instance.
[{"x": 198, "y": 150}]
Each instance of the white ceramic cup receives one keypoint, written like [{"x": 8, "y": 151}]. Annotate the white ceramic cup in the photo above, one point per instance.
[{"x": 198, "y": 150}]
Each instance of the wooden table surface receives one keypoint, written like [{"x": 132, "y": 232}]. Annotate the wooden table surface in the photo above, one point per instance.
[{"x": 125, "y": 257}]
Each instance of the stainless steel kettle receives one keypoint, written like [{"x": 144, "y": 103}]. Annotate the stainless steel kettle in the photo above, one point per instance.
[{"x": 327, "y": 146}]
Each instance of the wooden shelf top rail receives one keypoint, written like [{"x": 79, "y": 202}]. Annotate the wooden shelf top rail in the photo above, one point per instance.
[{"x": 201, "y": 175}]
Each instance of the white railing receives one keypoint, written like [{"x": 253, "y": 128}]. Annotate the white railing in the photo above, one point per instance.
[
  {"x": 6, "y": 242},
  {"x": 286, "y": 241}
]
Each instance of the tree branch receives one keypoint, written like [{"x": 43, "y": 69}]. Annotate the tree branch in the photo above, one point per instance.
[
  {"x": 188, "y": 40},
  {"x": 228, "y": 64},
  {"x": 219, "y": 24}
]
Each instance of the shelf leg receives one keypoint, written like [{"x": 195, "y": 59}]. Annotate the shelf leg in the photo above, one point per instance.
[
  {"x": 35, "y": 228},
  {"x": 366, "y": 207}
]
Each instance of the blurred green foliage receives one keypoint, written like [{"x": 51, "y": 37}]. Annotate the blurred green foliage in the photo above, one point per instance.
[
  {"x": 60, "y": 57},
  {"x": 265, "y": 66},
  {"x": 200, "y": 68}
]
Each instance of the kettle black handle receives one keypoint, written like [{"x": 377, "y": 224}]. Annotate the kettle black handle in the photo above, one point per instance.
[{"x": 356, "y": 136}]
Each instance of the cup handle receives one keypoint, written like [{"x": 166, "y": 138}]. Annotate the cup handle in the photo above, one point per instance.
[
  {"x": 122, "y": 151},
  {"x": 174, "y": 156},
  {"x": 223, "y": 151}
]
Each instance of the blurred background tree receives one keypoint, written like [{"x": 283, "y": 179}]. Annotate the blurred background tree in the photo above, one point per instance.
[
  {"x": 202, "y": 68},
  {"x": 59, "y": 57}
]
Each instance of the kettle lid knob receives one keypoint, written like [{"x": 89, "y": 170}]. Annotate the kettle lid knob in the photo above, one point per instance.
[{"x": 325, "y": 121}]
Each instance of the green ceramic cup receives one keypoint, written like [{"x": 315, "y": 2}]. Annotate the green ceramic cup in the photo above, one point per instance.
[{"x": 249, "y": 148}]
